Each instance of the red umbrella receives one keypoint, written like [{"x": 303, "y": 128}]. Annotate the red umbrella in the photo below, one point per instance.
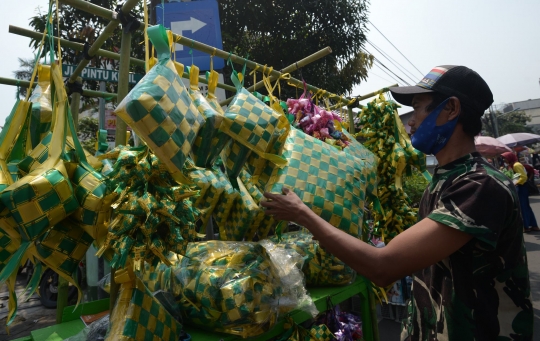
[{"x": 488, "y": 146}]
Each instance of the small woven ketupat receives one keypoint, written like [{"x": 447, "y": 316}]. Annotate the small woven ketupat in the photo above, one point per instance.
[
  {"x": 254, "y": 125},
  {"x": 243, "y": 214},
  {"x": 62, "y": 249},
  {"x": 139, "y": 316},
  {"x": 226, "y": 201},
  {"x": 41, "y": 119},
  {"x": 210, "y": 140},
  {"x": 262, "y": 224},
  {"x": 160, "y": 110},
  {"x": 211, "y": 189},
  {"x": 295, "y": 332},
  {"x": 331, "y": 182},
  {"x": 234, "y": 157}
]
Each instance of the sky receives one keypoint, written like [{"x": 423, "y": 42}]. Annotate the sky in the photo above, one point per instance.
[{"x": 498, "y": 39}]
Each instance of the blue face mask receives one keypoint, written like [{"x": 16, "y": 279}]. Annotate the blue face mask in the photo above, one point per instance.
[{"x": 430, "y": 138}]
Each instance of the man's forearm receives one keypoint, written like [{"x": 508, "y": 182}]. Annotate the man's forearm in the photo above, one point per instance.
[{"x": 363, "y": 258}]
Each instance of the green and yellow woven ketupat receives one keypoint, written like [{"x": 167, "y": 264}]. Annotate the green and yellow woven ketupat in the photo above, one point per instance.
[
  {"x": 295, "y": 332},
  {"x": 137, "y": 315},
  {"x": 320, "y": 267},
  {"x": 386, "y": 137},
  {"x": 210, "y": 141},
  {"x": 254, "y": 127},
  {"x": 230, "y": 287},
  {"x": 211, "y": 185},
  {"x": 160, "y": 110},
  {"x": 331, "y": 182}
]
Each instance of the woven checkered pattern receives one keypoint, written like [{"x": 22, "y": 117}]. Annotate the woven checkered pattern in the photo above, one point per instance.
[
  {"x": 161, "y": 112},
  {"x": 210, "y": 187},
  {"x": 40, "y": 153},
  {"x": 320, "y": 333},
  {"x": 252, "y": 123},
  {"x": 95, "y": 200},
  {"x": 371, "y": 162},
  {"x": 226, "y": 201},
  {"x": 210, "y": 141},
  {"x": 234, "y": 157},
  {"x": 8, "y": 246},
  {"x": 241, "y": 217},
  {"x": 228, "y": 286},
  {"x": 331, "y": 182},
  {"x": 140, "y": 316},
  {"x": 40, "y": 203},
  {"x": 63, "y": 247},
  {"x": 262, "y": 223}
]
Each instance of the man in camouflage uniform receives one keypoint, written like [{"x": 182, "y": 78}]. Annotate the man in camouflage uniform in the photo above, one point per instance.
[{"x": 471, "y": 280}]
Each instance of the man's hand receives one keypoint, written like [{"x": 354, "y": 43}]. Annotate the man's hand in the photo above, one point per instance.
[{"x": 286, "y": 206}]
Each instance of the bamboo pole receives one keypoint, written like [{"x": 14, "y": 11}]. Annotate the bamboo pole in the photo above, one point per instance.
[
  {"x": 293, "y": 67},
  {"x": 75, "y": 105},
  {"x": 91, "y": 8},
  {"x": 123, "y": 86},
  {"x": 357, "y": 104},
  {"x": 61, "y": 298},
  {"x": 252, "y": 65},
  {"x": 107, "y": 32},
  {"x": 71, "y": 44},
  {"x": 26, "y": 84},
  {"x": 351, "y": 120},
  {"x": 104, "y": 53}
]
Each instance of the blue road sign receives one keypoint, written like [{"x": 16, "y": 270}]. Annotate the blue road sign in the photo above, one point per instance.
[{"x": 197, "y": 20}]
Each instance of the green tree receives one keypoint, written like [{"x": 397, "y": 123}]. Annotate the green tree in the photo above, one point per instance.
[
  {"x": 26, "y": 67},
  {"x": 83, "y": 27},
  {"x": 88, "y": 128},
  {"x": 280, "y": 32},
  {"x": 508, "y": 123}
]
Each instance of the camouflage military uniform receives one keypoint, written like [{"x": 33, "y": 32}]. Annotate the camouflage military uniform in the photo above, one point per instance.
[{"x": 481, "y": 291}]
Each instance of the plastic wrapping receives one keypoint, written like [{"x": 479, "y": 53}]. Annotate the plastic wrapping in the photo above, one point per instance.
[
  {"x": 320, "y": 267},
  {"x": 230, "y": 287},
  {"x": 94, "y": 332}
]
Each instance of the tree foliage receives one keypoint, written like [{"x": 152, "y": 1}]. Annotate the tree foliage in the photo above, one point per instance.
[
  {"x": 281, "y": 32},
  {"x": 83, "y": 27},
  {"x": 508, "y": 123},
  {"x": 26, "y": 67},
  {"x": 88, "y": 127}
]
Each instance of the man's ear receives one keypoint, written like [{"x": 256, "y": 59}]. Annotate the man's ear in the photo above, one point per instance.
[{"x": 454, "y": 107}]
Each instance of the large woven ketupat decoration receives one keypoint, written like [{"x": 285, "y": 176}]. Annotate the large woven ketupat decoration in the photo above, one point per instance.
[
  {"x": 160, "y": 110},
  {"x": 41, "y": 119},
  {"x": 331, "y": 182},
  {"x": 229, "y": 287},
  {"x": 137, "y": 315},
  {"x": 45, "y": 196},
  {"x": 210, "y": 140}
]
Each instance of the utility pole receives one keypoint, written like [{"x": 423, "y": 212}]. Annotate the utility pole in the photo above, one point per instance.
[{"x": 494, "y": 122}]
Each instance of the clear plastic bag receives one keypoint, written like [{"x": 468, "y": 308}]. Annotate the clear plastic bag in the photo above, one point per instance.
[{"x": 320, "y": 267}]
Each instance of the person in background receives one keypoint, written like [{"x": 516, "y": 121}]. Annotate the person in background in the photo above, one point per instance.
[
  {"x": 466, "y": 252},
  {"x": 529, "y": 220}
]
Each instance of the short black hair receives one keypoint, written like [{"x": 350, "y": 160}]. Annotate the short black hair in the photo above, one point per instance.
[{"x": 469, "y": 117}]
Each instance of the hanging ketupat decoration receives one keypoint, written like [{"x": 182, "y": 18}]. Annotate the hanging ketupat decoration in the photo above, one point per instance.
[
  {"x": 160, "y": 110},
  {"x": 386, "y": 137}
]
